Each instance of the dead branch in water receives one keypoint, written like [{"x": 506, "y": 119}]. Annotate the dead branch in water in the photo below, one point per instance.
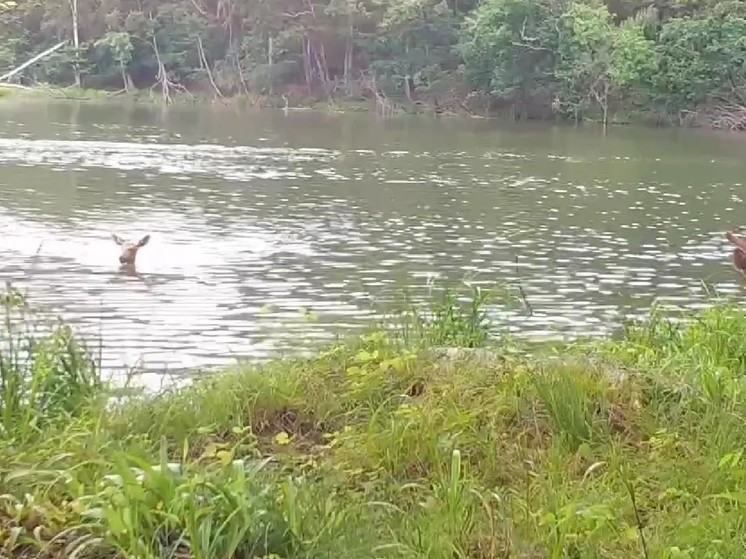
[{"x": 730, "y": 116}]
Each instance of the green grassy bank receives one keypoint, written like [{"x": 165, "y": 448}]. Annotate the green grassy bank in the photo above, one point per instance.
[{"x": 377, "y": 447}]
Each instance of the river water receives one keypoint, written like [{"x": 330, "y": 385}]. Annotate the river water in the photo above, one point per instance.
[{"x": 257, "y": 218}]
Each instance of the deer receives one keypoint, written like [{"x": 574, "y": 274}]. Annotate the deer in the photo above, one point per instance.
[
  {"x": 739, "y": 253},
  {"x": 129, "y": 250}
]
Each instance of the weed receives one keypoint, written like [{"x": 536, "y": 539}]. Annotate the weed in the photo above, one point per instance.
[{"x": 450, "y": 317}]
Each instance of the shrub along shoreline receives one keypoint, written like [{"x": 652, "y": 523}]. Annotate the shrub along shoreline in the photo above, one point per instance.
[{"x": 378, "y": 447}]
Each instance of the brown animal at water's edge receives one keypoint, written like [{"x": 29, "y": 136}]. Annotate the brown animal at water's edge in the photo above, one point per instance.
[
  {"x": 129, "y": 249},
  {"x": 739, "y": 253}
]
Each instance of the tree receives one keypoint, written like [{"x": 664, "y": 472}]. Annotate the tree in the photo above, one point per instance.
[
  {"x": 14, "y": 38},
  {"x": 119, "y": 45},
  {"x": 509, "y": 48},
  {"x": 586, "y": 57},
  {"x": 701, "y": 60}
]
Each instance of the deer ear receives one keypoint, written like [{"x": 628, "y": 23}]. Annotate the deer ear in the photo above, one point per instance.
[
  {"x": 118, "y": 240},
  {"x": 144, "y": 241}
]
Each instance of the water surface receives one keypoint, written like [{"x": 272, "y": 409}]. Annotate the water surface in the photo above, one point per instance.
[{"x": 257, "y": 218}]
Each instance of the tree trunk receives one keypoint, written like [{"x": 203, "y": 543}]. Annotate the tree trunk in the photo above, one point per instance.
[
  {"x": 76, "y": 40},
  {"x": 203, "y": 58},
  {"x": 408, "y": 88},
  {"x": 320, "y": 57},
  {"x": 349, "y": 52},
  {"x": 125, "y": 78},
  {"x": 270, "y": 63},
  {"x": 307, "y": 70}
]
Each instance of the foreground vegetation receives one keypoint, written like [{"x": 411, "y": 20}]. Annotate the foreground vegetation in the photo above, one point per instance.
[
  {"x": 380, "y": 448},
  {"x": 667, "y": 61}
]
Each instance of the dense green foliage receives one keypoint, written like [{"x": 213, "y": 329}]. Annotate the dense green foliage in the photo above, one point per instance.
[
  {"x": 676, "y": 60},
  {"x": 381, "y": 448}
]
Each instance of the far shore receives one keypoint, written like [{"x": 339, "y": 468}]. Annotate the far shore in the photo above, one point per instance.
[{"x": 394, "y": 108}]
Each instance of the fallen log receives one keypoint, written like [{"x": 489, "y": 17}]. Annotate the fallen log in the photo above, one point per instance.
[{"x": 36, "y": 58}]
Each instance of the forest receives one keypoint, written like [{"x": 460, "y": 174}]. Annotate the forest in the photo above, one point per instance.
[{"x": 680, "y": 62}]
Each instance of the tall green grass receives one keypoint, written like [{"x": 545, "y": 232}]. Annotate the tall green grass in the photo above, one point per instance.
[
  {"x": 373, "y": 448},
  {"x": 46, "y": 372},
  {"x": 456, "y": 314}
]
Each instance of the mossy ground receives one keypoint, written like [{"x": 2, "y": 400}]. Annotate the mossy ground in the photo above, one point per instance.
[{"x": 377, "y": 447}]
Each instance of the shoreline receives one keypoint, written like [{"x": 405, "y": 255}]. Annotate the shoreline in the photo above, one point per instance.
[
  {"x": 386, "y": 446},
  {"x": 399, "y": 107}
]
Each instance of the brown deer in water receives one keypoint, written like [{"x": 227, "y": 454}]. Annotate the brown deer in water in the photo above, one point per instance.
[
  {"x": 739, "y": 253},
  {"x": 129, "y": 249}
]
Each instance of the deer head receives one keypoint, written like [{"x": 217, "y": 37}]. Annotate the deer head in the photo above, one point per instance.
[
  {"x": 129, "y": 249},
  {"x": 739, "y": 253}
]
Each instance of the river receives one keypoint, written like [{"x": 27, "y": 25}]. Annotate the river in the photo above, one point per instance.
[{"x": 257, "y": 218}]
